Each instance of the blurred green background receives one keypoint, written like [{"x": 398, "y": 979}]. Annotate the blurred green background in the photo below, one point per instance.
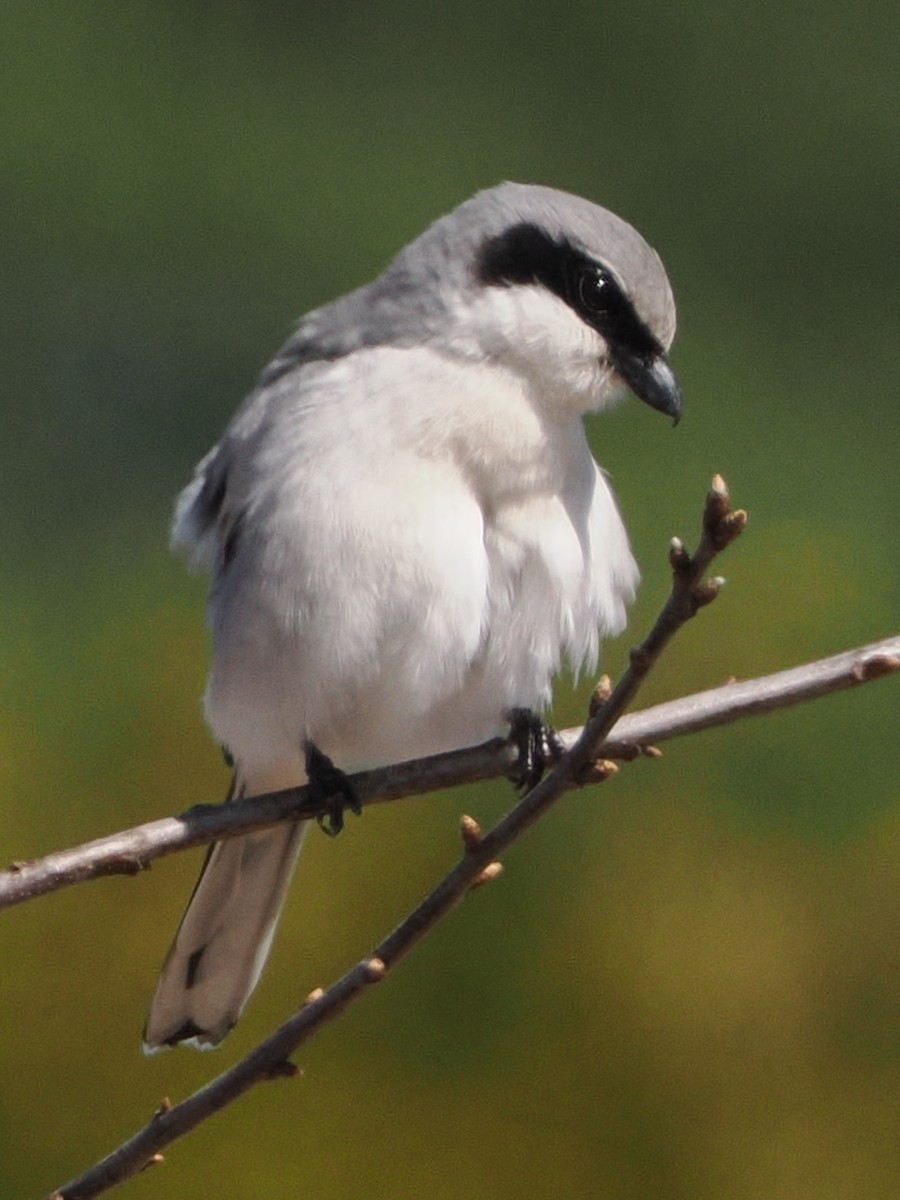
[{"x": 687, "y": 985}]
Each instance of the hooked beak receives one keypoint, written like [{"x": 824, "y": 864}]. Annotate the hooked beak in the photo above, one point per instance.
[{"x": 652, "y": 380}]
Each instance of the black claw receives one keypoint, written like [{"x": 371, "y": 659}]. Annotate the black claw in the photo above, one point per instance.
[
  {"x": 539, "y": 746},
  {"x": 329, "y": 785}
]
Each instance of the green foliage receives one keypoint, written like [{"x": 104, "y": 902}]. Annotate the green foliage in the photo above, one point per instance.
[{"x": 686, "y": 984}]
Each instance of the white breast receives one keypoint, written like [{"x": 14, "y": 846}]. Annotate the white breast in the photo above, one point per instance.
[{"x": 420, "y": 550}]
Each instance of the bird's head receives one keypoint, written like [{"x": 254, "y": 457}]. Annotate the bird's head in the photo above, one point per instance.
[{"x": 553, "y": 287}]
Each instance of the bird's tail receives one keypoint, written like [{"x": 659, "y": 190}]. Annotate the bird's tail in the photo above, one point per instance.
[{"x": 224, "y": 938}]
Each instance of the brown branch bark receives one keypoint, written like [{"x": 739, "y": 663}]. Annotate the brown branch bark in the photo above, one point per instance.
[
  {"x": 132, "y": 850},
  {"x": 606, "y": 733}
]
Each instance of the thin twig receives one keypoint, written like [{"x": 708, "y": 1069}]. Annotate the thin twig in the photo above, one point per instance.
[
  {"x": 606, "y": 733},
  {"x": 690, "y": 592},
  {"x": 271, "y": 1058},
  {"x": 133, "y": 850},
  {"x": 752, "y": 697}
]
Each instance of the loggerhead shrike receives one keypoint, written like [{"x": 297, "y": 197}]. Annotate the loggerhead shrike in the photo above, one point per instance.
[{"x": 407, "y": 533}]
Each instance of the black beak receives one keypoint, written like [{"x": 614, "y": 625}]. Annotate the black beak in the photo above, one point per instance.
[{"x": 652, "y": 380}]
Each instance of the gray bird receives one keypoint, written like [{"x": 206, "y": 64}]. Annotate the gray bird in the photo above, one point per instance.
[{"x": 407, "y": 533}]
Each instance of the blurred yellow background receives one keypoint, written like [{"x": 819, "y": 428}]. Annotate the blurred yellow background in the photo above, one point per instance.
[{"x": 687, "y": 984}]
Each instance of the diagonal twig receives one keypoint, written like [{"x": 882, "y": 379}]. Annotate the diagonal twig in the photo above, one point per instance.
[{"x": 270, "y": 1059}]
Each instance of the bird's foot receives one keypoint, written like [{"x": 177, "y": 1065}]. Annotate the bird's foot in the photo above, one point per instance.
[
  {"x": 539, "y": 746},
  {"x": 329, "y": 786}
]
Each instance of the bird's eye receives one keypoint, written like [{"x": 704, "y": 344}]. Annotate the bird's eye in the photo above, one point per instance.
[{"x": 595, "y": 290}]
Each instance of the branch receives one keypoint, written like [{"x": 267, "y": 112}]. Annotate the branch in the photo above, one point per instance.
[
  {"x": 606, "y": 733},
  {"x": 133, "y": 850},
  {"x": 752, "y": 697}
]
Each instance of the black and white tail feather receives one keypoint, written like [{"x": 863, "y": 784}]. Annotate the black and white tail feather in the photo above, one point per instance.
[{"x": 224, "y": 937}]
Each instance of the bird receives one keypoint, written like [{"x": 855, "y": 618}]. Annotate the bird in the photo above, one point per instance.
[{"x": 407, "y": 533}]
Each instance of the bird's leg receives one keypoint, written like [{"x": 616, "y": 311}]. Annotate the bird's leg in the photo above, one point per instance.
[
  {"x": 538, "y": 743},
  {"x": 329, "y": 785}
]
